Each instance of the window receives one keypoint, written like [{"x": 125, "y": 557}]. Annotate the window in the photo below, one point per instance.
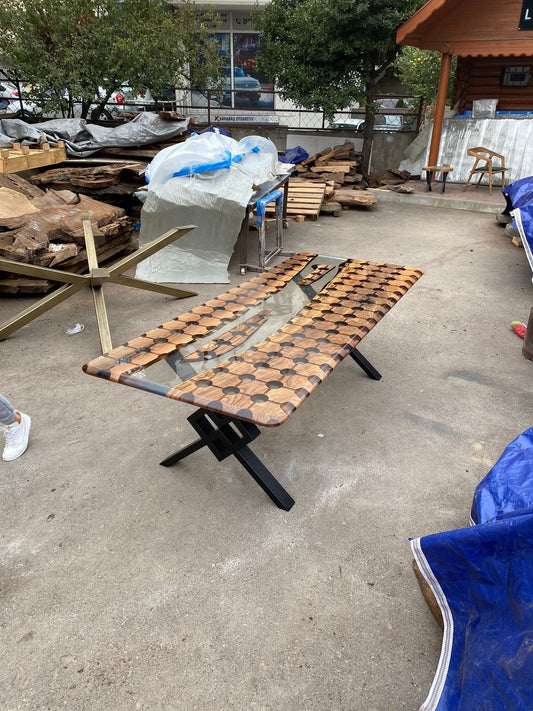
[
  {"x": 516, "y": 76},
  {"x": 244, "y": 87}
]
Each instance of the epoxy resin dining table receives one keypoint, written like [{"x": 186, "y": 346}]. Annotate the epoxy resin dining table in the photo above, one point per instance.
[{"x": 254, "y": 354}]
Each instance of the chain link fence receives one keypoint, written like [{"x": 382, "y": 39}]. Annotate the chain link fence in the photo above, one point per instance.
[
  {"x": 241, "y": 106},
  {"x": 394, "y": 112}
]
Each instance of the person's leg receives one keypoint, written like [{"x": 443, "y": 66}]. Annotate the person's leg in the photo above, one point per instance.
[
  {"x": 15, "y": 426},
  {"x": 8, "y": 414}
]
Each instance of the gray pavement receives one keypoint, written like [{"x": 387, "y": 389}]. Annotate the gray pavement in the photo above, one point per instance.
[{"x": 125, "y": 585}]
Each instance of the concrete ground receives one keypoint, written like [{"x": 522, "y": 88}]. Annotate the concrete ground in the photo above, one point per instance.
[{"x": 126, "y": 585}]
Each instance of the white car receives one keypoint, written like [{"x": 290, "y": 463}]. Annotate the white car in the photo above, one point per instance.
[
  {"x": 382, "y": 122},
  {"x": 246, "y": 89},
  {"x": 122, "y": 99},
  {"x": 11, "y": 104},
  {"x": 348, "y": 123}
]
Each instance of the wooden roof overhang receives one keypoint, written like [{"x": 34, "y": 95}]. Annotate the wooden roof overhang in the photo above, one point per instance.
[{"x": 478, "y": 28}]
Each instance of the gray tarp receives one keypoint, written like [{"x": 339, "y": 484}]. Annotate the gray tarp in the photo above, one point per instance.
[
  {"x": 216, "y": 204},
  {"x": 214, "y": 179},
  {"x": 83, "y": 139}
]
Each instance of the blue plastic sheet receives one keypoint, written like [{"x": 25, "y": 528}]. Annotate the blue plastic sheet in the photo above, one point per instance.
[
  {"x": 519, "y": 198},
  {"x": 294, "y": 155},
  {"x": 518, "y": 194},
  {"x": 508, "y": 487},
  {"x": 482, "y": 578},
  {"x": 216, "y": 129}
]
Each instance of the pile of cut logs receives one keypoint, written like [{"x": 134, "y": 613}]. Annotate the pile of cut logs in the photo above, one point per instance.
[
  {"x": 339, "y": 164},
  {"x": 338, "y": 168},
  {"x": 115, "y": 184},
  {"x": 45, "y": 229}
]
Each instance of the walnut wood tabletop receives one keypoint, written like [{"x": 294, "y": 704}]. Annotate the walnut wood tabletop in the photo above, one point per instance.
[{"x": 254, "y": 354}]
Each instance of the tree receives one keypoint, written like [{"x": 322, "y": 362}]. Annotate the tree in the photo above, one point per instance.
[
  {"x": 83, "y": 50},
  {"x": 419, "y": 69},
  {"x": 326, "y": 56}
]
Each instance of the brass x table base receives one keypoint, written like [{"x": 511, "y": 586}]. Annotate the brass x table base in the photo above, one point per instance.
[{"x": 95, "y": 279}]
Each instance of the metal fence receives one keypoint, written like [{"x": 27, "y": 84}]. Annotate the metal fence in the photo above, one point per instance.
[
  {"x": 268, "y": 107},
  {"x": 243, "y": 106}
]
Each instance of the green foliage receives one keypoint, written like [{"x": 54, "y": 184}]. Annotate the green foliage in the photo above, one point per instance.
[
  {"x": 73, "y": 49},
  {"x": 419, "y": 70},
  {"x": 327, "y": 55}
]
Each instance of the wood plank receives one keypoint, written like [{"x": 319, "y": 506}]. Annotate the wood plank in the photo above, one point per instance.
[
  {"x": 330, "y": 168},
  {"x": 13, "y": 205},
  {"x": 295, "y": 193},
  {"x": 344, "y": 150},
  {"x": 311, "y": 199},
  {"x": 364, "y": 198},
  {"x": 339, "y": 163},
  {"x": 315, "y": 156},
  {"x": 331, "y": 208},
  {"x": 302, "y": 211},
  {"x": 307, "y": 187},
  {"x": 303, "y": 199},
  {"x": 311, "y": 193}
]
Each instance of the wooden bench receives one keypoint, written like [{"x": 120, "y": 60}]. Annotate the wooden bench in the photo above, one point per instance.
[
  {"x": 253, "y": 355},
  {"x": 430, "y": 172}
]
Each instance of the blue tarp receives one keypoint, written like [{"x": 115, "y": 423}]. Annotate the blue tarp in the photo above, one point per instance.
[
  {"x": 508, "y": 487},
  {"x": 519, "y": 198},
  {"x": 482, "y": 578},
  {"x": 294, "y": 155}
]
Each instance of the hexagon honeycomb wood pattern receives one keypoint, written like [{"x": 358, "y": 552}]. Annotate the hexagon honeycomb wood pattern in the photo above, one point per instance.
[{"x": 265, "y": 383}]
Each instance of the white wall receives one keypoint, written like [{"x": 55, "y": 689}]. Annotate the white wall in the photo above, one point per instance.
[
  {"x": 512, "y": 137},
  {"x": 315, "y": 141}
]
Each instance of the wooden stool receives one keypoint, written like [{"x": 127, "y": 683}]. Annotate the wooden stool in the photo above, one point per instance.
[{"x": 431, "y": 170}]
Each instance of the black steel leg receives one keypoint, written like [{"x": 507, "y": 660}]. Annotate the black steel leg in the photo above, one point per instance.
[
  {"x": 183, "y": 452},
  {"x": 365, "y": 365},
  {"x": 225, "y": 436},
  {"x": 270, "y": 485},
  {"x": 429, "y": 178},
  {"x": 444, "y": 176}
]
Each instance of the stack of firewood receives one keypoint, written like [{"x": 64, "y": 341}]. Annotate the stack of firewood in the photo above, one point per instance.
[
  {"x": 45, "y": 229},
  {"x": 339, "y": 169},
  {"x": 339, "y": 164}
]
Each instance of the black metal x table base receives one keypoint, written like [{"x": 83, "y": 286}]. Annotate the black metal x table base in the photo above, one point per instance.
[{"x": 226, "y": 436}]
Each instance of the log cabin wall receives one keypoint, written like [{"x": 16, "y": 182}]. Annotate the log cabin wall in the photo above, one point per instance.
[{"x": 483, "y": 78}]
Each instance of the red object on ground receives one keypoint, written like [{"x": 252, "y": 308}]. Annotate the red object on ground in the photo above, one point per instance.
[{"x": 519, "y": 328}]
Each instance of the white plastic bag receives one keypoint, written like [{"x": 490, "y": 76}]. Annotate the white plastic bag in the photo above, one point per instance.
[
  {"x": 484, "y": 108},
  {"x": 209, "y": 152}
]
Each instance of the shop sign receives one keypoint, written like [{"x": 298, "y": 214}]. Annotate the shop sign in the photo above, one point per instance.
[
  {"x": 526, "y": 18},
  {"x": 233, "y": 118},
  {"x": 223, "y": 20},
  {"x": 243, "y": 21}
]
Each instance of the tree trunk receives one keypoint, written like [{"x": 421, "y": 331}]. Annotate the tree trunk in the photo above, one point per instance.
[{"x": 368, "y": 134}]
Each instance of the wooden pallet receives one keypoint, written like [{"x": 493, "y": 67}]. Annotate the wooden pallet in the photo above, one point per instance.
[
  {"x": 303, "y": 199},
  {"x": 19, "y": 158}
]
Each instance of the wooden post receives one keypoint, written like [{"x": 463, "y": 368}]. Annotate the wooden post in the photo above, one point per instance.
[{"x": 444, "y": 79}]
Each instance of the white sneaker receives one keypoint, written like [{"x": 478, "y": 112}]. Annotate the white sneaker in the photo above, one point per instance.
[{"x": 16, "y": 436}]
